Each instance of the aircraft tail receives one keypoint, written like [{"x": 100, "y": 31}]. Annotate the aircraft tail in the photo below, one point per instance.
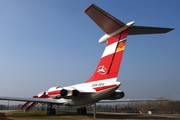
[
  {"x": 115, "y": 34},
  {"x": 110, "y": 61}
]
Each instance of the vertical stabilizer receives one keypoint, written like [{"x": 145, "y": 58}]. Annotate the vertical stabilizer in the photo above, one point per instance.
[{"x": 109, "y": 63}]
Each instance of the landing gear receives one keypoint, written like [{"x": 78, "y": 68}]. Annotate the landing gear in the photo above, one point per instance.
[
  {"x": 81, "y": 111},
  {"x": 51, "y": 110}
]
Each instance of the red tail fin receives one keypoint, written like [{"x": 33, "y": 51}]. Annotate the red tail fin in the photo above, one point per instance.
[{"x": 109, "y": 64}]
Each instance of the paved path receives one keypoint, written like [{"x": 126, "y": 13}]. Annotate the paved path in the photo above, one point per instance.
[
  {"x": 6, "y": 111},
  {"x": 136, "y": 116}
]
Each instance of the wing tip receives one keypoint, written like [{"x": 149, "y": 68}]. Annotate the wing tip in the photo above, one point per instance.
[
  {"x": 88, "y": 8},
  {"x": 169, "y": 29}
]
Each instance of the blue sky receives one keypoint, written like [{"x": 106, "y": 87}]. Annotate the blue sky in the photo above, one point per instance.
[{"x": 49, "y": 43}]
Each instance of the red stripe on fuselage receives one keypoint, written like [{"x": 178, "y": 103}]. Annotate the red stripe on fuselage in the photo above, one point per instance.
[
  {"x": 54, "y": 92},
  {"x": 104, "y": 87}
]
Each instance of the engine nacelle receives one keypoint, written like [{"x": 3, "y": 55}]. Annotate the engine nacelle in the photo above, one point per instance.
[
  {"x": 116, "y": 95},
  {"x": 75, "y": 93},
  {"x": 68, "y": 92},
  {"x": 54, "y": 92}
]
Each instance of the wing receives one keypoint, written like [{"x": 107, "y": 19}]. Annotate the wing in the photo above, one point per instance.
[
  {"x": 131, "y": 100},
  {"x": 39, "y": 100},
  {"x": 110, "y": 24}
]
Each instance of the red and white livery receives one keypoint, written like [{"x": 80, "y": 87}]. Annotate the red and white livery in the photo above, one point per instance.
[{"x": 103, "y": 84}]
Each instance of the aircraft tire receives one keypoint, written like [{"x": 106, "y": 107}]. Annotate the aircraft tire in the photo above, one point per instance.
[
  {"x": 78, "y": 111},
  {"x": 81, "y": 111},
  {"x": 51, "y": 111}
]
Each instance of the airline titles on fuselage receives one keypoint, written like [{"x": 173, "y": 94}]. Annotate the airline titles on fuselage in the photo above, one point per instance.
[{"x": 97, "y": 84}]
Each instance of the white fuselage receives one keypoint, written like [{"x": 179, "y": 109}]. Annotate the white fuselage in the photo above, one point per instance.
[{"x": 90, "y": 92}]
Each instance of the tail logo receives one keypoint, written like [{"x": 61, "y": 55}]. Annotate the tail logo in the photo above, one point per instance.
[
  {"x": 102, "y": 70},
  {"x": 121, "y": 46}
]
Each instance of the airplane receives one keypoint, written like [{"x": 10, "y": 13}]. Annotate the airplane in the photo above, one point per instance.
[{"x": 103, "y": 84}]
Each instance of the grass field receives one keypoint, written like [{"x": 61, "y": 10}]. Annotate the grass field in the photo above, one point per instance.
[{"x": 41, "y": 115}]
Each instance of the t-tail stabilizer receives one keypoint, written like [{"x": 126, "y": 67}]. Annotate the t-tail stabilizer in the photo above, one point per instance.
[
  {"x": 115, "y": 34},
  {"x": 110, "y": 24}
]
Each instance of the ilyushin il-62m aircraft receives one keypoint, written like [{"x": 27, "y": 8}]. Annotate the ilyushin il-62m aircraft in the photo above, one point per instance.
[{"x": 103, "y": 84}]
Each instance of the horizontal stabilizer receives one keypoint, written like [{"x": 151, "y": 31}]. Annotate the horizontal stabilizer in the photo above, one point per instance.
[
  {"x": 137, "y": 30},
  {"x": 104, "y": 20},
  {"x": 110, "y": 24}
]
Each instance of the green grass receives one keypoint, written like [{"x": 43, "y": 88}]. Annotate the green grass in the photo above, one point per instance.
[
  {"x": 68, "y": 115},
  {"x": 38, "y": 115},
  {"x": 41, "y": 115}
]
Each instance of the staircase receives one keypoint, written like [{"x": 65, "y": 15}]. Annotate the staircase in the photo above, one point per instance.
[{"x": 29, "y": 105}]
